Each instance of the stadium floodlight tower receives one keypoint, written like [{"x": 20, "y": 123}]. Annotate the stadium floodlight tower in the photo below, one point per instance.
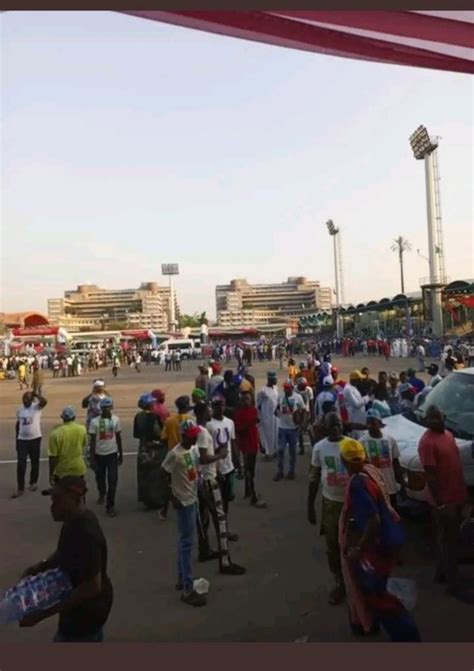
[
  {"x": 335, "y": 233},
  {"x": 425, "y": 148},
  {"x": 171, "y": 269}
]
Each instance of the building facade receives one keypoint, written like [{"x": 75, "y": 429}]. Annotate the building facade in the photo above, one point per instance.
[
  {"x": 242, "y": 304},
  {"x": 90, "y": 306}
]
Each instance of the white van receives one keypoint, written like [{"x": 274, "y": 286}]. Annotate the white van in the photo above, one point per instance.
[{"x": 189, "y": 348}]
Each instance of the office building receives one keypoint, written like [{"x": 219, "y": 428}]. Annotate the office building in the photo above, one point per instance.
[
  {"x": 242, "y": 304},
  {"x": 90, "y": 306}
]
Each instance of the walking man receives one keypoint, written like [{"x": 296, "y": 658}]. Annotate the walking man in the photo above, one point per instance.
[
  {"x": 106, "y": 454},
  {"x": 289, "y": 413},
  {"x": 82, "y": 554},
  {"x": 28, "y": 440},
  {"x": 327, "y": 469},
  {"x": 267, "y": 401}
]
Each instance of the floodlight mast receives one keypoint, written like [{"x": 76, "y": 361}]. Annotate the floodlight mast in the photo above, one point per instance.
[
  {"x": 425, "y": 148},
  {"x": 334, "y": 232}
]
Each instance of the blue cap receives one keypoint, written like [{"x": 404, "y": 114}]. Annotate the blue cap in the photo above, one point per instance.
[
  {"x": 106, "y": 402},
  {"x": 68, "y": 413},
  {"x": 145, "y": 399}
]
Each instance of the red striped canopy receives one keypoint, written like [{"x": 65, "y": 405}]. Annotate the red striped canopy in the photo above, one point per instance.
[{"x": 440, "y": 40}]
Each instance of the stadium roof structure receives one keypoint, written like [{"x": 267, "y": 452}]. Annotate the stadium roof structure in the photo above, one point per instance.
[{"x": 439, "y": 40}]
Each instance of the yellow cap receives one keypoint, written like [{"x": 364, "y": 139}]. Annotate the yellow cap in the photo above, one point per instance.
[
  {"x": 352, "y": 450},
  {"x": 356, "y": 375}
]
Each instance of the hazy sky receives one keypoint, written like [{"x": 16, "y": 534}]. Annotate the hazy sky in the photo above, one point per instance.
[{"x": 127, "y": 143}]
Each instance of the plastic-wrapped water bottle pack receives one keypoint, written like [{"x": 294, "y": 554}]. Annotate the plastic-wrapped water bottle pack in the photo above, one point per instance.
[{"x": 34, "y": 593}]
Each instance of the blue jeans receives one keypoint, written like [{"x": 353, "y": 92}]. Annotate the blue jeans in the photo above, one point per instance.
[
  {"x": 95, "y": 637},
  {"x": 186, "y": 527},
  {"x": 287, "y": 437}
]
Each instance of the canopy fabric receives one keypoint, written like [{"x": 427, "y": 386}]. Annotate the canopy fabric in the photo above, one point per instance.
[{"x": 440, "y": 40}]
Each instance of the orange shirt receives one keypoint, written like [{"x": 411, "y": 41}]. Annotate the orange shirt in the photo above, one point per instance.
[{"x": 171, "y": 432}]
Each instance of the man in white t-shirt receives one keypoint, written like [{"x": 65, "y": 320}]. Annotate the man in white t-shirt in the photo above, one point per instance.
[
  {"x": 182, "y": 464},
  {"x": 28, "y": 440},
  {"x": 355, "y": 402},
  {"x": 106, "y": 453},
  {"x": 210, "y": 498},
  {"x": 328, "y": 470},
  {"x": 290, "y": 415},
  {"x": 382, "y": 452},
  {"x": 222, "y": 430}
]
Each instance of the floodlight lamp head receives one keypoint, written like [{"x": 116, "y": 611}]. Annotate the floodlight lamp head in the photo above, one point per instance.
[
  {"x": 331, "y": 227},
  {"x": 421, "y": 143}
]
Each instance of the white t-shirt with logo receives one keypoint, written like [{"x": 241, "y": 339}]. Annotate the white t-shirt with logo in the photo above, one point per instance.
[
  {"x": 105, "y": 430},
  {"x": 287, "y": 405},
  {"x": 183, "y": 465},
  {"x": 206, "y": 442},
  {"x": 380, "y": 453},
  {"x": 223, "y": 432},
  {"x": 29, "y": 420},
  {"x": 334, "y": 476}
]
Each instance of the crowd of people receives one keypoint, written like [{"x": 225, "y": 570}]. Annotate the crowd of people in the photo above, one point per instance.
[{"x": 192, "y": 458}]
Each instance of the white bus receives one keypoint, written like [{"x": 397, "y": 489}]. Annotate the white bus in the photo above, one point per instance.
[{"x": 190, "y": 348}]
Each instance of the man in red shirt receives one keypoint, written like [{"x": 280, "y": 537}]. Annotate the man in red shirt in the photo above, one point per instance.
[
  {"x": 246, "y": 432},
  {"x": 440, "y": 458}
]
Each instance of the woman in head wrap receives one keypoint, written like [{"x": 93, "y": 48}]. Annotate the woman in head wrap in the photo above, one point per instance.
[
  {"x": 152, "y": 487},
  {"x": 370, "y": 536}
]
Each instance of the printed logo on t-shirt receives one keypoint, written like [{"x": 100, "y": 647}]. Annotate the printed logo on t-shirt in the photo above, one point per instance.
[
  {"x": 336, "y": 474},
  {"x": 106, "y": 430},
  {"x": 379, "y": 453},
  {"x": 191, "y": 470}
]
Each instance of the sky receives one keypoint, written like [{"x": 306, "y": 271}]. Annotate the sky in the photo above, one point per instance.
[{"x": 127, "y": 144}]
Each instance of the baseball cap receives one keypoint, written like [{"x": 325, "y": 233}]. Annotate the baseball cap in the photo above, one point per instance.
[
  {"x": 356, "y": 375},
  {"x": 217, "y": 399},
  {"x": 352, "y": 450},
  {"x": 302, "y": 381},
  {"x": 373, "y": 413},
  {"x": 411, "y": 372},
  {"x": 145, "y": 399},
  {"x": 393, "y": 376},
  {"x": 68, "y": 412},
  {"x": 189, "y": 428},
  {"x": 106, "y": 402},
  {"x": 328, "y": 381},
  {"x": 199, "y": 393},
  {"x": 69, "y": 483},
  {"x": 271, "y": 373},
  {"x": 99, "y": 383},
  {"x": 288, "y": 384}
]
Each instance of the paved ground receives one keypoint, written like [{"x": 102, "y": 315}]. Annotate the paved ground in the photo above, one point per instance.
[{"x": 283, "y": 595}]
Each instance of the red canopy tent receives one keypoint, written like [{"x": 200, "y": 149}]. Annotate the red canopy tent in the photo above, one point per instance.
[{"x": 440, "y": 40}]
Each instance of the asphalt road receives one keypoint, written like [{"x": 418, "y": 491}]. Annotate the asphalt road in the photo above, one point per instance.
[{"x": 282, "y": 597}]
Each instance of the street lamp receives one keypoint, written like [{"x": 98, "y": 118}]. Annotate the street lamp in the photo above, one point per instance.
[
  {"x": 334, "y": 232},
  {"x": 425, "y": 149},
  {"x": 171, "y": 269}
]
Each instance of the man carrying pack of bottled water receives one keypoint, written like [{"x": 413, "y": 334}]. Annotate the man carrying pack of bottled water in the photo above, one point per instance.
[{"x": 77, "y": 587}]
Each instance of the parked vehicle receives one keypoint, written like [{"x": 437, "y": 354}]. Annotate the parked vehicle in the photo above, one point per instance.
[
  {"x": 190, "y": 348},
  {"x": 454, "y": 396}
]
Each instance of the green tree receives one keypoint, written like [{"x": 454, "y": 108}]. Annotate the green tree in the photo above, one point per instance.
[{"x": 189, "y": 320}]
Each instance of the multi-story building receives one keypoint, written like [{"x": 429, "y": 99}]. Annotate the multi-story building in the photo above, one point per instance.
[
  {"x": 91, "y": 306},
  {"x": 242, "y": 304}
]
